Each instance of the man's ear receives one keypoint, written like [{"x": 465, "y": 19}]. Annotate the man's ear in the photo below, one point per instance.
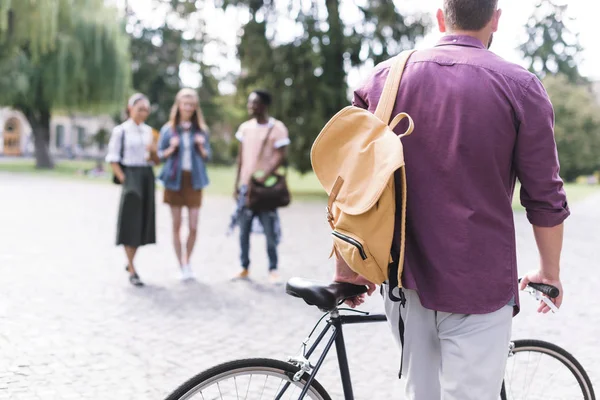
[
  {"x": 496, "y": 20},
  {"x": 441, "y": 20}
]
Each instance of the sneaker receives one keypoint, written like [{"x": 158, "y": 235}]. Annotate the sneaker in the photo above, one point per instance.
[
  {"x": 245, "y": 274},
  {"x": 274, "y": 277},
  {"x": 186, "y": 273}
]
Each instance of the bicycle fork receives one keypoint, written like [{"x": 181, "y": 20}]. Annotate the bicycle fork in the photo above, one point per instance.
[
  {"x": 302, "y": 361},
  {"x": 336, "y": 321}
]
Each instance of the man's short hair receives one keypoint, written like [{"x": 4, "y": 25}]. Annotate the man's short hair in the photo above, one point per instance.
[
  {"x": 264, "y": 96},
  {"x": 469, "y": 15}
]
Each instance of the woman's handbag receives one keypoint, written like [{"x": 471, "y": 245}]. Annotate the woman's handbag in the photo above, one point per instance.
[{"x": 116, "y": 180}]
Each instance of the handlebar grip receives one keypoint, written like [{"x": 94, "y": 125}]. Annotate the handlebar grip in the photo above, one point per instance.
[{"x": 549, "y": 290}]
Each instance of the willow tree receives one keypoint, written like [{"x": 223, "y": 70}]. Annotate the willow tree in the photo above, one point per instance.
[{"x": 61, "y": 55}]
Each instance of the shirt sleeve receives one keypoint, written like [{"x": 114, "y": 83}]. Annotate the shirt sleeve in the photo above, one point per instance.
[
  {"x": 358, "y": 99},
  {"x": 281, "y": 137},
  {"x": 114, "y": 145},
  {"x": 239, "y": 135},
  {"x": 536, "y": 160}
]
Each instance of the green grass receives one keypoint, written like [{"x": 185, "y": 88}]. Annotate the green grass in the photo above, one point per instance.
[
  {"x": 575, "y": 193},
  {"x": 304, "y": 187}
]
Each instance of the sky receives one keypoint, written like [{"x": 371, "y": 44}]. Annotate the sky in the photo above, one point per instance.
[{"x": 515, "y": 13}]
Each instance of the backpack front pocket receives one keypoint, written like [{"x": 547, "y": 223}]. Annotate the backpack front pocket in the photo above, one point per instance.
[
  {"x": 356, "y": 254},
  {"x": 353, "y": 242}
]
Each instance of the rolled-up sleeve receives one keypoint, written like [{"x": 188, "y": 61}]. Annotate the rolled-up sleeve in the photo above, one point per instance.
[
  {"x": 358, "y": 101},
  {"x": 536, "y": 160},
  {"x": 113, "y": 154}
]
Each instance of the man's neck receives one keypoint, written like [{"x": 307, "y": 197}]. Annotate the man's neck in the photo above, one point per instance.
[
  {"x": 262, "y": 119},
  {"x": 483, "y": 37}
]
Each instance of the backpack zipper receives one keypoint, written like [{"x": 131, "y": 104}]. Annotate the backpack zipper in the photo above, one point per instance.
[{"x": 353, "y": 242}]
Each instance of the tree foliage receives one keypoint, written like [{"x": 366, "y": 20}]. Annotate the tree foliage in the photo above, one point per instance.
[
  {"x": 577, "y": 128},
  {"x": 158, "y": 53},
  {"x": 551, "y": 47},
  {"x": 156, "y": 68},
  {"x": 308, "y": 74},
  {"x": 61, "y": 54}
]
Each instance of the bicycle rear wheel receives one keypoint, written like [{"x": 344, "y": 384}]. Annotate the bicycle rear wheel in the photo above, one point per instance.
[
  {"x": 542, "y": 370},
  {"x": 258, "y": 378}
]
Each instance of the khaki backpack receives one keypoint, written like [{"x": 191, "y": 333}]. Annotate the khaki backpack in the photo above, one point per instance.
[{"x": 354, "y": 158}]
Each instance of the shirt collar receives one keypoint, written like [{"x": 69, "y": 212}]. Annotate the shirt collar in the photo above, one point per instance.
[
  {"x": 269, "y": 124},
  {"x": 132, "y": 124},
  {"x": 460, "y": 40}
]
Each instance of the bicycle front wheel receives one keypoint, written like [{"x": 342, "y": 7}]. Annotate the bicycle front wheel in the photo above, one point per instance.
[
  {"x": 249, "y": 379},
  {"x": 544, "y": 371}
]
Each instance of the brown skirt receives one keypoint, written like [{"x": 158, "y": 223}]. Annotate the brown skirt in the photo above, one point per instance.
[{"x": 186, "y": 196}]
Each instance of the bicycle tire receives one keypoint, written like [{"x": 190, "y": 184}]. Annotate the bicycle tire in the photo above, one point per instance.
[
  {"x": 561, "y": 355},
  {"x": 230, "y": 368}
]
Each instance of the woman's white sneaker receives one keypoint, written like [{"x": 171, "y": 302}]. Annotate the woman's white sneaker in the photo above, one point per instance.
[{"x": 186, "y": 273}]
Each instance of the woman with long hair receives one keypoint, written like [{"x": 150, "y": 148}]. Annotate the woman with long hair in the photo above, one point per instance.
[
  {"x": 184, "y": 146},
  {"x": 129, "y": 154}
]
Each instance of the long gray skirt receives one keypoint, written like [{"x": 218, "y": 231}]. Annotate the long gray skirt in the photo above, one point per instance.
[{"x": 136, "y": 225}]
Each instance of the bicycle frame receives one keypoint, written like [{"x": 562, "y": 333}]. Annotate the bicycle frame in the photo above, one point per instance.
[{"x": 336, "y": 321}]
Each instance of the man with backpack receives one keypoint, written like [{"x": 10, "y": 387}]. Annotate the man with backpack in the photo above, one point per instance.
[{"x": 480, "y": 123}]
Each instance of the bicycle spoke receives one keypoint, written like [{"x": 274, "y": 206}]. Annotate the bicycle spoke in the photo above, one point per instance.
[
  {"x": 279, "y": 392},
  {"x": 237, "y": 396},
  {"x": 220, "y": 394},
  {"x": 264, "y": 386},
  {"x": 292, "y": 392},
  {"x": 248, "y": 388},
  {"x": 541, "y": 375},
  {"x": 533, "y": 374}
]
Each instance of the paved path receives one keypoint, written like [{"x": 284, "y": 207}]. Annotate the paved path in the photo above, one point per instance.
[{"x": 71, "y": 326}]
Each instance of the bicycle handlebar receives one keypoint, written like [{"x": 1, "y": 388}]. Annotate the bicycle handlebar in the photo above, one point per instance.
[{"x": 548, "y": 290}]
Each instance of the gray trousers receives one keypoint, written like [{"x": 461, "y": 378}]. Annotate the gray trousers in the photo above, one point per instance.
[{"x": 450, "y": 356}]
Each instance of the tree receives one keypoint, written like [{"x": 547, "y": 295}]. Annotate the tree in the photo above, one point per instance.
[
  {"x": 577, "y": 128},
  {"x": 308, "y": 75},
  {"x": 61, "y": 54},
  {"x": 158, "y": 53},
  {"x": 551, "y": 47},
  {"x": 156, "y": 68}
]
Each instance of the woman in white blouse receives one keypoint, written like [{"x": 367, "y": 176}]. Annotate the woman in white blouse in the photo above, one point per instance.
[{"x": 130, "y": 146}]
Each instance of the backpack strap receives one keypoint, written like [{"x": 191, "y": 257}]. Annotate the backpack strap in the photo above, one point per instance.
[
  {"x": 391, "y": 86},
  {"x": 384, "y": 113}
]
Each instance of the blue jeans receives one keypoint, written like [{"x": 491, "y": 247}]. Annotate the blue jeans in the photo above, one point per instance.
[{"x": 267, "y": 220}]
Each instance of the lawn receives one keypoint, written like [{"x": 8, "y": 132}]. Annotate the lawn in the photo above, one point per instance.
[{"x": 304, "y": 187}]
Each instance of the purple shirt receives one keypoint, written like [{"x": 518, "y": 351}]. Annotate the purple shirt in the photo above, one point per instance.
[{"x": 480, "y": 123}]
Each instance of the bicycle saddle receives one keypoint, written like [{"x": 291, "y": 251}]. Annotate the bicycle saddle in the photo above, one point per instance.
[{"x": 325, "y": 296}]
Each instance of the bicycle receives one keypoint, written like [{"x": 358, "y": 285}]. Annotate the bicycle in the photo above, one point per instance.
[{"x": 277, "y": 379}]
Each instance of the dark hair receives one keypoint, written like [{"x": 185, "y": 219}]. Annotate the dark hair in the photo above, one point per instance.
[
  {"x": 264, "y": 96},
  {"x": 133, "y": 100},
  {"x": 469, "y": 15}
]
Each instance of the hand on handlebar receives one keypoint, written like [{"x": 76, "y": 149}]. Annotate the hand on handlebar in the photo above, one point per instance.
[{"x": 538, "y": 277}]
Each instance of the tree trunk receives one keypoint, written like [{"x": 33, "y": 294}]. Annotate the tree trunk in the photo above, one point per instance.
[
  {"x": 334, "y": 73},
  {"x": 40, "y": 125}
]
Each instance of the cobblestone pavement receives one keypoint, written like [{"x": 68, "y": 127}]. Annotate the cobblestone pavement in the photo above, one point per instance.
[{"x": 71, "y": 326}]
